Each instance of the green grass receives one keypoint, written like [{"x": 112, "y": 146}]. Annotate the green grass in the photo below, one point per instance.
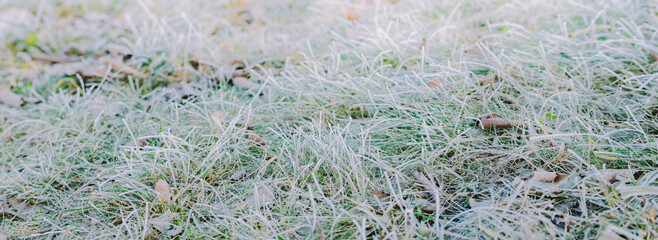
[{"x": 144, "y": 90}]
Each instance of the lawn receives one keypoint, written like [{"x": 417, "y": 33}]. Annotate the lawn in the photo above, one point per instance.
[{"x": 363, "y": 119}]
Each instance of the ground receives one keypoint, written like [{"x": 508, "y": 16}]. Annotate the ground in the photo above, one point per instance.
[{"x": 324, "y": 119}]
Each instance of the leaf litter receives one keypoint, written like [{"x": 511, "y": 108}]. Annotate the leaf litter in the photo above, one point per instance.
[{"x": 163, "y": 191}]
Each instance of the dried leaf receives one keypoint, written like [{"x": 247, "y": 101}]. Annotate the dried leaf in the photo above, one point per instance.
[
  {"x": 243, "y": 82},
  {"x": 654, "y": 57},
  {"x": 425, "y": 205},
  {"x": 380, "y": 194},
  {"x": 7, "y": 213},
  {"x": 550, "y": 182},
  {"x": 180, "y": 92},
  {"x": 549, "y": 176},
  {"x": 263, "y": 195},
  {"x": 163, "y": 191},
  {"x": 119, "y": 65},
  {"x": 351, "y": 14},
  {"x": 490, "y": 123},
  {"x": 487, "y": 79},
  {"x": 486, "y": 116},
  {"x": 428, "y": 184},
  {"x": 239, "y": 73},
  {"x": 632, "y": 191},
  {"x": 16, "y": 208},
  {"x": 437, "y": 82},
  {"x": 8, "y": 97},
  {"x": 257, "y": 139},
  {"x": 161, "y": 222},
  {"x": 422, "y": 44}
]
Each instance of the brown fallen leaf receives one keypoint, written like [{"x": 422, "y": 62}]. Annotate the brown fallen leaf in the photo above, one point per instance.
[
  {"x": 240, "y": 73},
  {"x": 487, "y": 79},
  {"x": 654, "y": 57},
  {"x": 436, "y": 82},
  {"x": 351, "y": 14},
  {"x": 257, "y": 139},
  {"x": 163, "y": 191},
  {"x": 8, "y": 97},
  {"x": 549, "y": 176},
  {"x": 490, "y": 121},
  {"x": 380, "y": 194}
]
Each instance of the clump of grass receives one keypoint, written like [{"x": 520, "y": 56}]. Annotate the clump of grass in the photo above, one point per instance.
[{"x": 343, "y": 107}]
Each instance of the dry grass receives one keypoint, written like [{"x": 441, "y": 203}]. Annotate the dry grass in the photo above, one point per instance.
[{"x": 278, "y": 119}]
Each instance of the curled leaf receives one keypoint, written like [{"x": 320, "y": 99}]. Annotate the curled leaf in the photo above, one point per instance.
[
  {"x": 163, "y": 191},
  {"x": 490, "y": 121}
]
